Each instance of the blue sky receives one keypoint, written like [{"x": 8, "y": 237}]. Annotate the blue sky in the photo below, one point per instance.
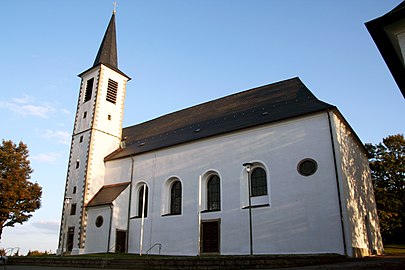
[{"x": 180, "y": 53}]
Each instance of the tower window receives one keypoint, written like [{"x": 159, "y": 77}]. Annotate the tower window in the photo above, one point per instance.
[
  {"x": 112, "y": 89},
  {"x": 74, "y": 189},
  {"x": 84, "y": 114},
  {"x": 109, "y": 117},
  {"x": 89, "y": 90},
  {"x": 77, "y": 164},
  {"x": 81, "y": 139},
  {"x": 73, "y": 209}
]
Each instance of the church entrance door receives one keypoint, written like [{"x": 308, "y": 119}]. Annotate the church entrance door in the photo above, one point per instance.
[
  {"x": 210, "y": 235},
  {"x": 121, "y": 241},
  {"x": 70, "y": 237}
]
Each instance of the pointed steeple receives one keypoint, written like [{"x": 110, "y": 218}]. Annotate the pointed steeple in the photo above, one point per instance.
[{"x": 107, "y": 54}]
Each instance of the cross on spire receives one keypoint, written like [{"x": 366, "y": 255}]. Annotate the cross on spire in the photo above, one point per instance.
[{"x": 115, "y": 6}]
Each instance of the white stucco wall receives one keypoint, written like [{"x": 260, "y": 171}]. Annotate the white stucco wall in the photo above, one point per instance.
[
  {"x": 98, "y": 236},
  {"x": 102, "y": 239},
  {"x": 303, "y": 216},
  {"x": 358, "y": 201},
  {"x": 120, "y": 216}
]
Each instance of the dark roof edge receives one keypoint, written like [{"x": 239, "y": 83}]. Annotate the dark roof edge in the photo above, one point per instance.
[
  {"x": 107, "y": 186},
  {"x": 381, "y": 39},
  {"x": 216, "y": 99},
  {"x": 106, "y": 65},
  {"x": 111, "y": 157}
]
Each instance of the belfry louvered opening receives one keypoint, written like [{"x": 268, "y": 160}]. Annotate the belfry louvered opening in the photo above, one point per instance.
[
  {"x": 112, "y": 91},
  {"x": 89, "y": 90}
]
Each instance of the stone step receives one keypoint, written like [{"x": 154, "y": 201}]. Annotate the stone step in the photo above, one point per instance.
[{"x": 173, "y": 262}]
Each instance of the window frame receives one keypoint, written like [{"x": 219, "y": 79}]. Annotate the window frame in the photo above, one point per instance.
[
  {"x": 88, "y": 91},
  {"x": 175, "y": 206},
  {"x": 73, "y": 208},
  {"x": 213, "y": 196},
  {"x": 258, "y": 186},
  {"x": 140, "y": 201}
]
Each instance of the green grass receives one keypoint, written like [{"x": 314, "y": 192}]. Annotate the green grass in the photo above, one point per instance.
[{"x": 394, "y": 250}]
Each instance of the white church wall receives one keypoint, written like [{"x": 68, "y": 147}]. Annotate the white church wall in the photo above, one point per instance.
[
  {"x": 97, "y": 237},
  {"x": 118, "y": 171},
  {"x": 109, "y": 115},
  {"x": 103, "y": 144},
  {"x": 303, "y": 216},
  {"x": 358, "y": 199},
  {"x": 120, "y": 217}
]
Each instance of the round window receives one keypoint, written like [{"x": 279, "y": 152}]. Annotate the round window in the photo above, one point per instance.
[
  {"x": 307, "y": 167},
  {"x": 99, "y": 221}
]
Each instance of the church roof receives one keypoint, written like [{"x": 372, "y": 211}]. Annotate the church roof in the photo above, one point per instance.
[
  {"x": 383, "y": 30},
  {"x": 107, "y": 194},
  {"x": 258, "y": 106},
  {"x": 107, "y": 53}
]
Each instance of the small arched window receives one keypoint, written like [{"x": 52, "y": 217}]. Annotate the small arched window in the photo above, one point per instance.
[
  {"x": 175, "y": 198},
  {"x": 258, "y": 182},
  {"x": 213, "y": 193},
  {"x": 143, "y": 191}
]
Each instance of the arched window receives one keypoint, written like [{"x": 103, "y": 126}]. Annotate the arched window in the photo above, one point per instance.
[
  {"x": 175, "y": 198},
  {"x": 258, "y": 182},
  {"x": 140, "y": 201},
  {"x": 213, "y": 193}
]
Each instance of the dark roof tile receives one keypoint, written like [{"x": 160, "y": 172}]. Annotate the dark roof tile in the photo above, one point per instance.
[
  {"x": 107, "y": 194},
  {"x": 262, "y": 105}
]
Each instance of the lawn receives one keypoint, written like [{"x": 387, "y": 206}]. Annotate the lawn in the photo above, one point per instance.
[{"x": 394, "y": 250}]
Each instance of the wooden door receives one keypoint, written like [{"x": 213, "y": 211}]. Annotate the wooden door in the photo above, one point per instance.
[
  {"x": 121, "y": 241},
  {"x": 210, "y": 235}
]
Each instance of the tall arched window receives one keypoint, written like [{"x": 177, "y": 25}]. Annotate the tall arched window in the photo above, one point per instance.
[
  {"x": 213, "y": 193},
  {"x": 140, "y": 201},
  {"x": 175, "y": 198},
  {"x": 258, "y": 182}
]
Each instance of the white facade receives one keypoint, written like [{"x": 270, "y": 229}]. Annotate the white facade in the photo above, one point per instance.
[{"x": 300, "y": 214}]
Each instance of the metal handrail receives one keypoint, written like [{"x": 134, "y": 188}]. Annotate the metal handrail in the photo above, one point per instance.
[
  {"x": 154, "y": 245},
  {"x": 10, "y": 251}
]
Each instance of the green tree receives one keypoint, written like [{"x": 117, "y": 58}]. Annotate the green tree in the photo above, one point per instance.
[
  {"x": 387, "y": 164},
  {"x": 18, "y": 196}
]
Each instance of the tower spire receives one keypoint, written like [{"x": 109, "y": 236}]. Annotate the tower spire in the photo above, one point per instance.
[{"x": 107, "y": 53}]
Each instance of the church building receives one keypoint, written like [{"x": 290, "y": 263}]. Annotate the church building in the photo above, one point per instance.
[{"x": 269, "y": 170}]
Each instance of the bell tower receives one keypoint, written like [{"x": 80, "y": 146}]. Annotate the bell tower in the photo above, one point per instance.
[{"x": 96, "y": 133}]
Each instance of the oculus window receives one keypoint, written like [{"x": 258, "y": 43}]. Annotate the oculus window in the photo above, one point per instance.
[
  {"x": 307, "y": 167},
  {"x": 99, "y": 221}
]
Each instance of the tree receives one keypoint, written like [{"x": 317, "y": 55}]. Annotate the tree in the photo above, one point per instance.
[
  {"x": 387, "y": 164},
  {"x": 18, "y": 196}
]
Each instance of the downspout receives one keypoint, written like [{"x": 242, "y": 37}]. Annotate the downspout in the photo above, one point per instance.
[
  {"x": 337, "y": 182},
  {"x": 109, "y": 233},
  {"x": 129, "y": 201}
]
